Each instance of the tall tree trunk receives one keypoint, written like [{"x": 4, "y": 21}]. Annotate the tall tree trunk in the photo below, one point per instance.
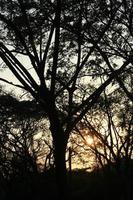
[
  {"x": 59, "y": 145},
  {"x": 60, "y": 168}
]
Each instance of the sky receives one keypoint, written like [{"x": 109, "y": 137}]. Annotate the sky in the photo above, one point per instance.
[{"x": 5, "y": 73}]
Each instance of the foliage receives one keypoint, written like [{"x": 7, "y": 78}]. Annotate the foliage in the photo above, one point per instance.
[
  {"x": 24, "y": 139},
  {"x": 76, "y": 49}
]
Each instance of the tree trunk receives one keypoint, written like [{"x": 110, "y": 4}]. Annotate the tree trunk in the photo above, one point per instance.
[
  {"x": 60, "y": 168},
  {"x": 59, "y": 145}
]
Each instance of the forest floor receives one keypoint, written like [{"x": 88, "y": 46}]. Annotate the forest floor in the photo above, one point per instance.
[{"x": 82, "y": 185}]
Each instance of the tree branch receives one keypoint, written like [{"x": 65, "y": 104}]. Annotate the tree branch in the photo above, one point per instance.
[
  {"x": 56, "y": 45},
  {"x": 11, "y": 83},
  {"x": 19, "y": 35}
]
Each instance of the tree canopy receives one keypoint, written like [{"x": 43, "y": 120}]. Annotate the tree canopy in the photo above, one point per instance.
[{"x": 77, "y": 49}]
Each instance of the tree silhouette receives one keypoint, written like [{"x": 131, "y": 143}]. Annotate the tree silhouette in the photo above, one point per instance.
[
  {"x": 111, "y": 131},
  {"x": 70, "y": 45}
]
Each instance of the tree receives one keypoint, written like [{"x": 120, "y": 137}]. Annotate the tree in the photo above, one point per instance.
[
  {"x": 110, "y": 126},
  {"x": 64, "y": 41},
  {"x": 21, "y": 134}
]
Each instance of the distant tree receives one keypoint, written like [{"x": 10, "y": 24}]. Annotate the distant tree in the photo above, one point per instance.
[
  {"x": 110, "y": 127},
  {"x": 70, "y": 45},
  {"x": 22, "y": 146}
]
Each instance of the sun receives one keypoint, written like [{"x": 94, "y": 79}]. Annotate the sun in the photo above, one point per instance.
[{"x": 89, "y": 140}]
